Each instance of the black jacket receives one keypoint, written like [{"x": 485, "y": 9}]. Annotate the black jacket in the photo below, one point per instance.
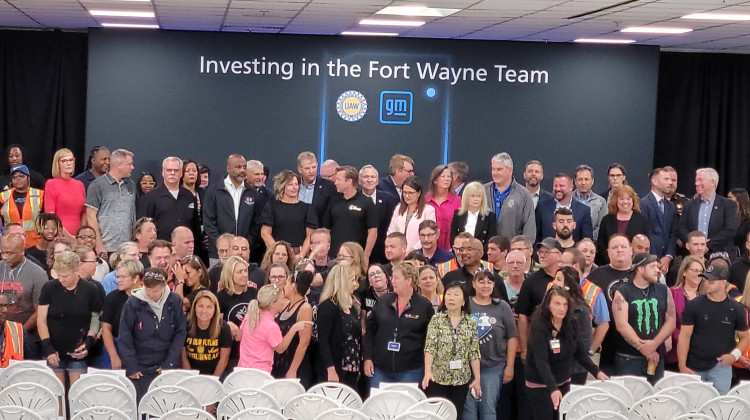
[
  {"x": 412, "y": 333},
  {"x": 484, "y": 230},
  {"x": 324, "y": 190},
  {"x": 385, "y": 204},
  {"x": 169, "y": 213},
  {"x": 608, "y": 227},
  {"x": 218, "y": 214},
  {"x": 722, "y": 226},
  {"x": 331, "y": 336}
]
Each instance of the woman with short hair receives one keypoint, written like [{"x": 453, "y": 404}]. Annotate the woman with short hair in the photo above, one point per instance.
[
  {"x": 474, "y": 215},
  {"x": 129, "y": 274},
  {"x": 624, "y": 217}
]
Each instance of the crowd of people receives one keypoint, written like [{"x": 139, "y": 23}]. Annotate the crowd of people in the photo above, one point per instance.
[{"x": 491, "y": 295}]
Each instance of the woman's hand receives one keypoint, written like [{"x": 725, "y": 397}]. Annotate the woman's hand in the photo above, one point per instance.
[
  {"x": 426, "y": 380},
  {"x": 80, "y": 353},
  {"x": 234, "y": 330},
  {"x": 332, "y": 375},
  {"x": 369, "y": 368},
  {"x": 53, "y": 359},
  {"x": 556, "y": 398},
  {"x": 602, "y": 376},
  {"x": 116, "y": 362},
  {"x": 508, "y": 374},
  {"x": 136, "y": 375},
  {"x": 476, "y": 386}
]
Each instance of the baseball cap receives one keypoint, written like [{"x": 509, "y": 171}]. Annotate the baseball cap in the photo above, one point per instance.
[
  {"x": 550, "y": 243},
  {"x": 20, "y": 168},
  {"x": 715, "y": 272},
  {"x": 642, "y": 259}
]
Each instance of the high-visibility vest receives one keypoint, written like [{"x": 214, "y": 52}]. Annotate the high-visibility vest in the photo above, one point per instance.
[
  {"x": 448, "y": 266},
  {"x": 590, "y": 293},
  {"x": 13, "y": 343},
  {"x": 31, "y": 209}
]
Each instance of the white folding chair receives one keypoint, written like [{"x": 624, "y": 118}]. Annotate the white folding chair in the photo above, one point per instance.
[
  {"x": 32, "y": 396},
  {"x": 411, "y": 389},
  {"x": 596, "y": 402},
  {"x": 726, "y": 408},
  {"x": 742, "y": 390},
  {"x": 10, "y": 412},
  {"x": 692, "y": 394},
  {"x": 694, "y": 416},
  {"x": 40, "y": 376},
  {"x": 19, "y": 365},
  {"x": 440, "y": 406},
  {"x": 243, "y": 378},
  {"x": 88, "y": 379},
  {"x": 658, "y": 407},
  {"x": 576, "y": 393},
  {"x": 387, "y": 405},
  {"x": 101, "y": 413},
  {"x": 242, "y": 399},
  {"x": 615, "y": 388},
  {"x": 308, "y": 406},
  {"x": 258, "y": 413},
  {"x": 164, "y": 399},
  {"x": 671, "y": 379},
  {"x": 638, "y": 386},
  {"x": 113, "y": 372},
  {"x": 208, "y": 389},
  {"x": 419, "y": 415},
  {"x": 283, "y": 390},
  {"x": 344, "y": 395},
  {"x": 171, "y": 377},
  {"x": 187, "y": 414},
  {"x": 342, "y": 413},
  {"x": 104, "y": 395},
  {"x": 604, "y": 415}
]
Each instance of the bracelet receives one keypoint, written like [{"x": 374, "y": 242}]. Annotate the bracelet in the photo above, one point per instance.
[
  {"x": 737, "y": 354},
  {"x": 47, "y": 347}
]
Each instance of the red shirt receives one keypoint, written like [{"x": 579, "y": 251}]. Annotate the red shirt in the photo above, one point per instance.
[{"x": 444, "y": 216}]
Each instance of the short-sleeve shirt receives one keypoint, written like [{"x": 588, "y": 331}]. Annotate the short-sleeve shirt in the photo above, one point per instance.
[
  {"x": 532, "y": 292},
  {"x": 113, "y": 304},
  {"x": 115, "y": 202},
  {"x": 203, "y": 351},
  {"x": 495, "y": 326},
  {"x": 714, "y": 325},
  {"x": 447, "y": 344},
  {"x": 350, "y": 219},
  {"x": 289, "y": 222},
  {"x": 23, "y": 286},
  {"x": 256, "y": 347},
  {"x": 69, "y": 313}
]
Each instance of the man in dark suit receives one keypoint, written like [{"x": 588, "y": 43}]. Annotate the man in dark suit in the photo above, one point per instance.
[
  {"x": 533, "y": 174},
  {"x": 401, "y": 167},
  {"x": 460, "y": 172},
  {"x": 314, "y": 190},
  {"x": 256, "y": 178},
  {"x": 385, "y": 203},
  {"x": 662, "y": 220},
  {"x": 562, "y": 188},
  {"x": 712, "y": 214}
]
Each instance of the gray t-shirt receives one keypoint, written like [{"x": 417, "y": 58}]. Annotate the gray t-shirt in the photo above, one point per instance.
[
  {"x": 496, "y": 326},
  {"x": 22, "y": 287},
  {"x": 115, "y": 202}
]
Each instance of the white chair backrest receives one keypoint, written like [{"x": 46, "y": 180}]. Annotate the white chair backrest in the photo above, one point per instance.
[
  {"x": 412, "y": 390},
  {"x": 308, "y": 406},
  {"x": 9, "y": 412},
  {"x": 604, "y": 415},
  {"x": 243, "y": 378},
  {"x": 387, "y": 405},
  {"x": 615, "y": 388},
  {"x": 742, "y": 390},
  {"x": 671, "y": 379},
  {"x": 694, "y": 416},
  {"x": 208, "y": 389},
  {"x": 39, "y": 376},
  {"x": 344, "y": 395},
  {"x": 419, "y": 415},
  {"x": 637, "y": 385},
  {"x": 258, "y": 413},
  {"x": 32, "y": 396},
  {"x": 101, "y": 413},
  {"x": 726, "y": 408},
  {"x": 576, "y": 393},
  {"x": 242, "y": 399},
  {"x": 283, "y": 390},
  {"x": 698, "y": 393},
  {"x": 440, "y": 406},
  {"x": 88, "y": 379},
  {"x": 18, "y": 365},
  {"x": 104, "y": 395},
  {"x": 171, "y": 377},
  {"x": 596, "y": 402},
  {"x": 658, "y": 406},
  {"x": 114, "y": 372},
  {"x": 342, "y": 413},
  {"x": 187, "y": 414},
  {"x": 166, "y": 398}
]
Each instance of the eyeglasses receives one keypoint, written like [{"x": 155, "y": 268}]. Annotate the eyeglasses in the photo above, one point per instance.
[
  {"x": 345, "y": 257},
  {"x": 616, "y": 175},
  {"x": 427, "y": 235},
  {"x": 277, "y": 277},
  {"x": 86, "y": 237},
  {"x": 375, "y": 273},
  {"x": 89, "y": 261},
  {"x": 548, "y": 251},
  {"x": 67, "y": 160},
  {"x": 403, "y": 192}
]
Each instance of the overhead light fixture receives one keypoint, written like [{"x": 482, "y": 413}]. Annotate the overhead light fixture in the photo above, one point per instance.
[
  {"x": 717, "y": 16},
  {"x": 655, "y": 30},
  {"x": 129, "y": 25},
  {"x": 357, "y": 33},
  {"x": 122, "y": 13},
  {"x": 385, "y": 22},
  {"x": 417, "y": 11},
  {"x": 605, "y": 41}
]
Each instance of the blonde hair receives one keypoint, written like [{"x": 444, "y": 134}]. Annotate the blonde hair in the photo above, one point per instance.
[
  {"x": 134, "y": 268},
  {"x": 627, "y": 190},
  {"x": 66, "y": 260},
  {"x": 336, "y": 288},
  {"x": 267, "y": 295},
  {"x": 281, "y": 180},
  {"x": 680, "y": 281},
  {"x": 474, "y": 188},
  {"x": 56, "y": 161},
  {"x": 410, "y": 271},
  {"x": 214, "y": 326},
  {"x": 227, "y": 275},
  {"x": 358, "y": 258},
  {"x": 439, "y": 287}
]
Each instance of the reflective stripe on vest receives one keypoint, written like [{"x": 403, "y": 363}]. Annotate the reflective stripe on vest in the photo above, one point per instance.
[
  {"x": 13, "y": 342},
  {"x": 590, "y": 293},
  {"x": 31, "y": 208}
]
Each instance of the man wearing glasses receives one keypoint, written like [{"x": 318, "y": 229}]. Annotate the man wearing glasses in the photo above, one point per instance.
[{"x": 401, "y": 167}]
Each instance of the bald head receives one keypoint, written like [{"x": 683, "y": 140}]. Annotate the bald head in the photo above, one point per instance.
[
  {"x": 640, "y": 244},
  {"x": 515, "y": 263},
  {"x": 471, "y": 252},
  {"x": 240, "y": 247},
  {"x": 12, "y": 247},
  {"x": 183, "y": 242},
  {"x": 236, "y": 168}
]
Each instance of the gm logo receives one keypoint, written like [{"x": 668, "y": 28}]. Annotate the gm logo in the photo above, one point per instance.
[{"x": 395, "y": 107}]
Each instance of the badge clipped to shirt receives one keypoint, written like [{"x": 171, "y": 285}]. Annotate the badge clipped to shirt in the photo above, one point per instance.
[
  {"x": 455, "y": 364},
  {"x": 394, "y": 346},
  {"x": 555, "y": 346}
]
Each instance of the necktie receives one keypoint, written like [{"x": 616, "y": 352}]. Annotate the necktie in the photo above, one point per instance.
[{"x": 661, "y": 205}]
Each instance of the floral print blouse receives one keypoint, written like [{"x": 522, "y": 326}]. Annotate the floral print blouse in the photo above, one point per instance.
[{"x": 446, "y": 344}]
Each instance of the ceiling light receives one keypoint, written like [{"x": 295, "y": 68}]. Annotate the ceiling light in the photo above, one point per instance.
[
  {"x": 356, "y": 33},
  {"x": 605, "y": 41},
  {"x": 129, "y": 25},
  {"x": 122, "y": 13},
  {"x": 391, "y": 22},
  {"x": 655, "y": 30},
  {"x": 717, "y": 16},
  {"x": 416, "y": 11}
]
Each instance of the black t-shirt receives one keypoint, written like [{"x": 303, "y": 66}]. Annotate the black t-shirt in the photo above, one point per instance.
[
  {"x": 203, "y": 351},
  {"x": 532, "y": 292},
  {"x": 349, "y": 220},
  {"x": 609, "y": 280},
  {"x": 113, "y": 304},
  {"x": 234, "y": 307},
  {"x": 38, "y": 256},
  {"x": 714, "y": 325},
  {"x": 289, "y": 222},
  {"x": 256, "y": 277},
  {"x": 20, "y": 199},
  {"x": 69, "y": 313},
  {"x": 647, "y": 311}
]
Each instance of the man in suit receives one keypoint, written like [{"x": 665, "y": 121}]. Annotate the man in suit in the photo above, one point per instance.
[
  {"x": 562, "y": 188},
  {"x": 710, "y": 213},
  {"x": 533, "y": 174},
  {"x": 314, "y": 190},
  {"x": 511, "y": 202},
  {"x": 584, "y": 193},
  {"x": 257, "y": 179},
  {"x": 401, "y": 167},
  {"x": 460, "y": 171},
  {"x": 661, "y": 215},
  {"x": 385, "y": 203}
]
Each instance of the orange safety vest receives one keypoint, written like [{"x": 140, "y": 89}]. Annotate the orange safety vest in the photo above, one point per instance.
[
  {"x": 13, "y": 343},
  {"x": 31, "y": 209},
  {"x": 590, "y": 293},
  {"x": 448, "y": 266}
]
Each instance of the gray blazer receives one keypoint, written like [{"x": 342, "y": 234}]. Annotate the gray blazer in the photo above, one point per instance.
[{"x": 517, "y": 214}]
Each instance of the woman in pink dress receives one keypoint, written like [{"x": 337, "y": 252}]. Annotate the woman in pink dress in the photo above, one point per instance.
[
  {"x": 64, "y": 195},
  {"x": 444, "y": 201}
]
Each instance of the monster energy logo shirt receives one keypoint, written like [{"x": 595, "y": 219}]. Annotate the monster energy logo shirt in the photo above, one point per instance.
[{"x": 647, "y": 309}]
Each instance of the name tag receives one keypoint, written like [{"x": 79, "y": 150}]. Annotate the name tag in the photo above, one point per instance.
[
  {"x": 555, "y": 346},
  {"x": 354, "y": 208},
  {"x": 411, "y": 316},
  {"x": 394, "y": 346},
  {"x": 455, "y": 364}
]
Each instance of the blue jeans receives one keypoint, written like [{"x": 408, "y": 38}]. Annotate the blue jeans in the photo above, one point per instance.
[
  {"x": 628, "y": 364},
  {"x": 720, "y": 376},
  {"x": 491, "y": 381},
  {"x": 407, "y": 376}
]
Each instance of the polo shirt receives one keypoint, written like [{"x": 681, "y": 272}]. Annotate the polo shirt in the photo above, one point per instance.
[
  {"x": 350, "y": 219},
  {"x": 115, "y": 202},
  {"x": 440, "y": 256},
  {"x": 169, "y": 212}
]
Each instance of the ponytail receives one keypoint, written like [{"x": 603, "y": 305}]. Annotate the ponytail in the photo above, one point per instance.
[
  {"x": 253, "y": 314},
  {"x": 267, "y": 295}
]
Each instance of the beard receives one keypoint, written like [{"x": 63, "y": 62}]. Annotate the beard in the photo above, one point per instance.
[{"x": 564, "y": 234}]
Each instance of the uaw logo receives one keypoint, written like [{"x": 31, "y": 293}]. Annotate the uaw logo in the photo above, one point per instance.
[
  {"x": 351, "y": 106},
  {"x": 395, "y": 107}
]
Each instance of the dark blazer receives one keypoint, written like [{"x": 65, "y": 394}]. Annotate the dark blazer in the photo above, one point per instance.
[
  {"x": 663, "y": 227},
  {"x": 544, "y": 195},
  {"x": 386, "y": 184},
  {"x": 485, "y": 229},
  {"x": 384, "y": 206},
  {"x": 722, "y": 225},
  {"x": 324, "y": 190},
  {"x": 218, "y": 214},
  {"x": 638, "y": 224},
  {"x": 545, "y": 214}
]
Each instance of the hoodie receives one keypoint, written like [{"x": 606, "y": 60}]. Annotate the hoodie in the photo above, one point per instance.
[{"x": 157, "y": 306}]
